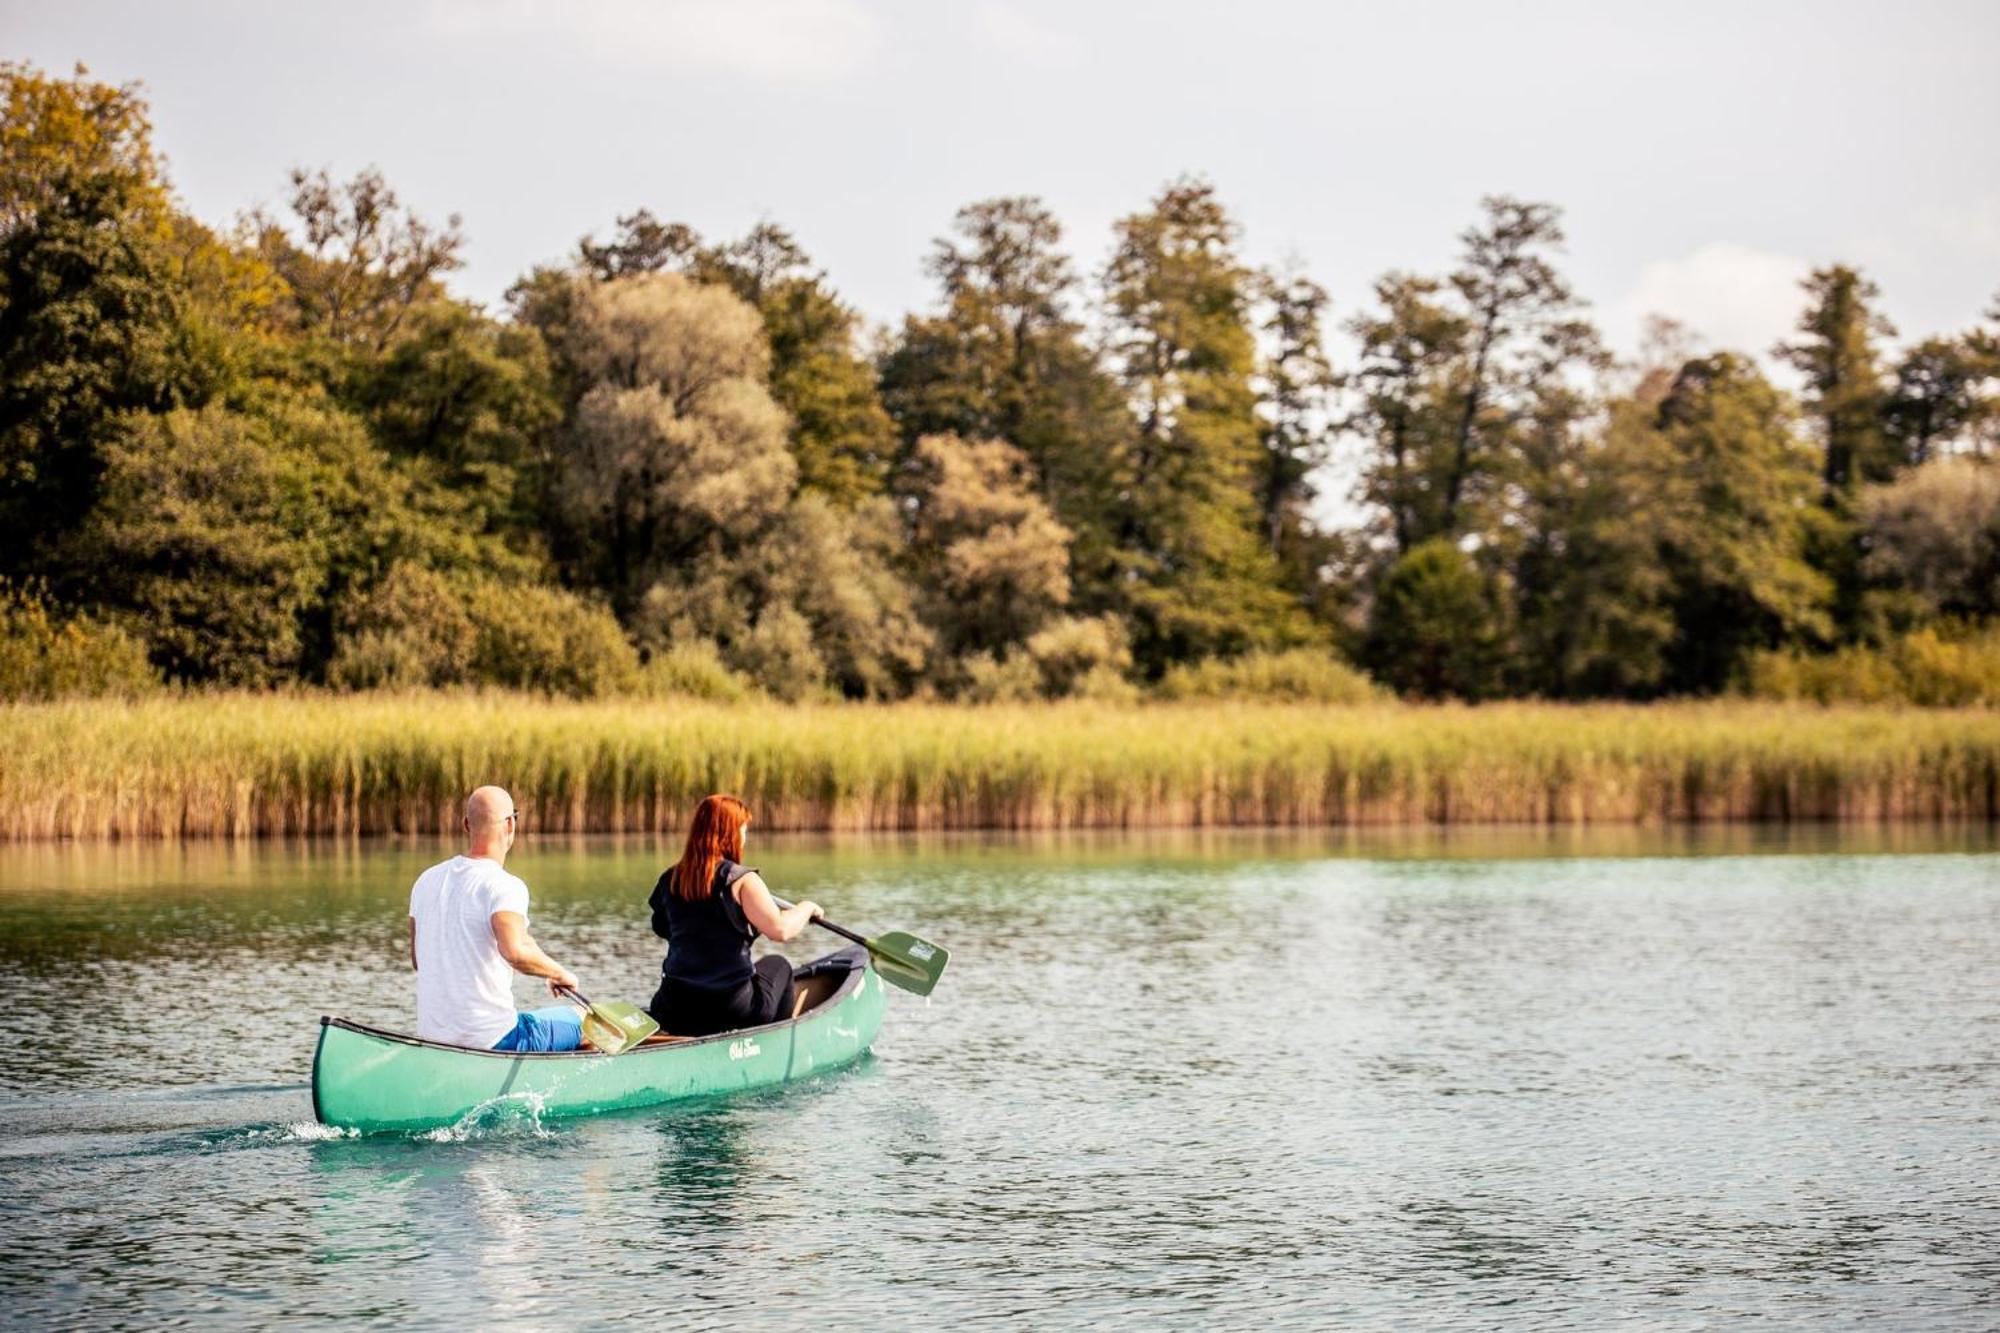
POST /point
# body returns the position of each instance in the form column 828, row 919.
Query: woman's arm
column 762, row 912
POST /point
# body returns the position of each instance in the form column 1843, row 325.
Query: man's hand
column 563, row 977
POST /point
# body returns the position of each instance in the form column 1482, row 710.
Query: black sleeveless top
column 708, row 941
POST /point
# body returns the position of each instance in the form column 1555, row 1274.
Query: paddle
column 903, row 960
column 613, row 1028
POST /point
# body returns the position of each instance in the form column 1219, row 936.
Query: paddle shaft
column 841, row 931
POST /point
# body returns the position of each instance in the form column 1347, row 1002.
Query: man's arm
column 413, row 944
column 518, row 947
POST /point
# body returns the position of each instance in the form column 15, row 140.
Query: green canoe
column 367, row 1079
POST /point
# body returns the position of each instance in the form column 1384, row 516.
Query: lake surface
column 1466, row 1081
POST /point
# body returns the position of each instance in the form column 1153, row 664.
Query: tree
column 1297, row 434
column 1199, row 580
column 814, row 605
column 675, row 446
column 1438, row 626
column 472, row 398
column 993, row 557
column 1517, row 309
column 1405, row 398
column 841, row 438
column 1934, row 532
column 1738, row 524
column 1006, row 359
column 204, row 545
column 1595, row 596
column 1836, row 354
column 354, row 261
column 1937, row 399
column 91, row 311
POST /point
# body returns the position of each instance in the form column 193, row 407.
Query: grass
column 236, row 765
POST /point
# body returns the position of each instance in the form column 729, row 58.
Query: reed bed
column 241, row 765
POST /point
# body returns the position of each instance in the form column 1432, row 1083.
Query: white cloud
column 1735, row 297
column 776, row 39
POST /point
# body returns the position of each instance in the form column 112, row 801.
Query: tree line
column 282, row 452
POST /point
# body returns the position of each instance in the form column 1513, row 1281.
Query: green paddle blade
column 907, row 962
column 615, row 1027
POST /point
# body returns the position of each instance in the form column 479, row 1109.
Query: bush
column 1077, row 651
column 530, row 637
column 1930, row 668
column 693, row 669
column 1300, row 675
column 1438, row 626
column 44, row 658
column 1935, row 532
column 1002, row 680
column 410, row 630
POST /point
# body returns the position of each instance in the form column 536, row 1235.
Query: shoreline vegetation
column 242, row 765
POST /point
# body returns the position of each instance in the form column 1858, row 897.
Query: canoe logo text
column 743, row 1050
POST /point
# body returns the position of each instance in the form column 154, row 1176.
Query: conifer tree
column 1845, row 393
column 1201, row 580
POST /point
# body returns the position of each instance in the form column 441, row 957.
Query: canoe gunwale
column 852, row 983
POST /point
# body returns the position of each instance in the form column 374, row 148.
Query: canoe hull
column 368, row 1079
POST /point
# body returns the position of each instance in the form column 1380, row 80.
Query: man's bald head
column 490, row 821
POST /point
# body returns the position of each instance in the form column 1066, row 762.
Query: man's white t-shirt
column 465, row 989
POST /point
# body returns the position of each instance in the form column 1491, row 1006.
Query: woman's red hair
column 717, row 832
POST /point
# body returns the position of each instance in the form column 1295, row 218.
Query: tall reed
column 236, row 765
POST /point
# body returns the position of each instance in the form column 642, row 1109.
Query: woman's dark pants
column 695, row 1011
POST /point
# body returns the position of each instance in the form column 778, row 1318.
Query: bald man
column 469, row 935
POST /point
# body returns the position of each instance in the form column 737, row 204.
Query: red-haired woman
column 708, row 907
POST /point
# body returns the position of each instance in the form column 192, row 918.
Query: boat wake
column 516, row 1115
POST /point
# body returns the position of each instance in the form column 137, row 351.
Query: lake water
column 1475, row 1081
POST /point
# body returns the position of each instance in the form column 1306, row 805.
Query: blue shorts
column 557, row 1028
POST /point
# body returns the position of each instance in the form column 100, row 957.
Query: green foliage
column 1200, row 580
column 472, row 397
column 1940, row 398
column 412, row 629
column 1006, row 359
column 1934, row 534
column 353, row 262
column 210, row 543
column 548, row 640
column 91, row 309
column 992, row 556
column 675, row 449
column 285, row 454
column 693, row 670
column 1845, row 394
column 1736, row 524
column 839, row 434
column 1299, row 675
column 1438, row 627
column 1296, row 430
column 43, row 656
column 1934, row 667
column 813, row 605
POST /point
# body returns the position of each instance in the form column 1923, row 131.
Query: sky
column 1706, row 155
